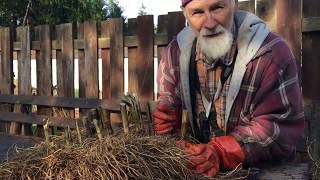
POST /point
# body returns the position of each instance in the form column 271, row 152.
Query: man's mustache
column 211, row 33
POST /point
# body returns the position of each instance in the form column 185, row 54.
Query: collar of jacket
column 252, row 31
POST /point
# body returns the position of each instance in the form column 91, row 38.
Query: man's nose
column 210, row 22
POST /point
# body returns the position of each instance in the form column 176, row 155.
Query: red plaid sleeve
column 272, row 118
column 168, row 77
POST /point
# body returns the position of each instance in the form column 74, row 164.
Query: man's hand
column 220, row 153
column 166, row 119
column 204, row 158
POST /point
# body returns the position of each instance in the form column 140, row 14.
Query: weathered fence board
column 6, row 70
column 311, row 79
column 289, row 13
column 161, row 29
column 90, row 70
column 24, row 77
column 65, row 63
column 106, row 62
column 44, row 65
column 81, row 61
column 132, row 58
column 143, row 67
column 175, row 24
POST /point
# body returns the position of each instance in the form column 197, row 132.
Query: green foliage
column 114, row 9
column 142, row 10
column 12, row 12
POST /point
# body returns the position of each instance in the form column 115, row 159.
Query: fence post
column 44, row 67
column 112, row 59
column 6, row 70
column 65, row 63
column 176, row 22
column 90, row 71
column 24, row 77
column 161, row 29
column 311, row 79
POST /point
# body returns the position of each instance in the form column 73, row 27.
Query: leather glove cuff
column 229, row 151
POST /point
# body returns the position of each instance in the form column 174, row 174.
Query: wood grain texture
column 65, row 63
column 144, row 62
column 106, row 63
column 176, row 22
column 289, row 13
column 24, row 76
column 6, row 70
column 90, row 71
column 44, row 65
column 311, row 79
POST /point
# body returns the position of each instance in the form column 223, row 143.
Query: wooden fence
column 296, row 21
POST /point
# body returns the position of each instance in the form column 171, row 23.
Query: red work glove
column 221, row 152
column 166, row 119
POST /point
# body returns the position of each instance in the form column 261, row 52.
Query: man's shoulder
column 279, row 49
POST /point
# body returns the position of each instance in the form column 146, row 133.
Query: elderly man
column 239, row 83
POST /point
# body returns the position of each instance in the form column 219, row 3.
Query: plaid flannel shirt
column 267, row 116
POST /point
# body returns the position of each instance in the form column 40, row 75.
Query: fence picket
column 65, row 63
column 145, row 58
column 311, row 79
column 6, row 70
column 90, row 71
column 24, row 77
column 44, row 65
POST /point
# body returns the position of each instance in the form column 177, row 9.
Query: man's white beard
column 215, row 47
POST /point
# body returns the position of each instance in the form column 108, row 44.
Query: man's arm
column 167, row 115
column 275, row 119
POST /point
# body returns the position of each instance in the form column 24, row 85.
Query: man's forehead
column 185, row 2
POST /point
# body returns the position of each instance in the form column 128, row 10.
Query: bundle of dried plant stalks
column 126, row 157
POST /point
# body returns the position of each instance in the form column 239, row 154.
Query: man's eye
column 197, row 12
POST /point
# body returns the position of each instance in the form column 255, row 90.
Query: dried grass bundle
column 126, row 157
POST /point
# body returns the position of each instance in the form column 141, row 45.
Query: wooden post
column 144, row 61
column 88, row 61
column 289, row 14
column 161, row 29
column 112, row 60
column 124, row 115
column 44, row 65
column 105, row 119
column 311, row 79
column 90, row 71
column 176, row 22
column 65, row 63
column 80, row 35
column 132, row 59
column 24, row 76
column 6, row 70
